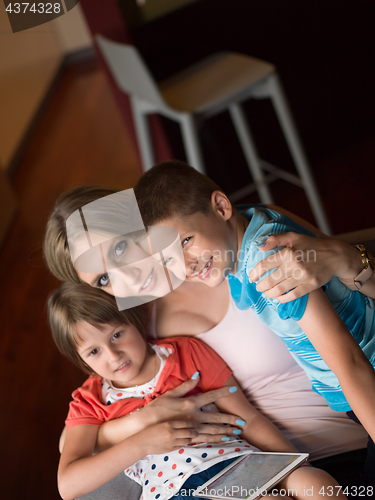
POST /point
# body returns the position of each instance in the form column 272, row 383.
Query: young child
column 330, row 333
column 127, row 373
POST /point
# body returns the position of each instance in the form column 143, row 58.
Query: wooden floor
column 82, row 139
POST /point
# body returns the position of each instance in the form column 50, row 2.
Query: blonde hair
column 56, row 250
column 74, row 303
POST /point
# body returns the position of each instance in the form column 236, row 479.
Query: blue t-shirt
column 355, row 309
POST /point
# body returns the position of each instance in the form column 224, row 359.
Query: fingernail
column 225, row 439
column 195, row 375
column 237, row 431
column 240, row 422
column 233, row 389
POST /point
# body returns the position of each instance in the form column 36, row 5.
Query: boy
column 218, row 241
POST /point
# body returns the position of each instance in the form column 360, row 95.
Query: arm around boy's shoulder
column 263, row 223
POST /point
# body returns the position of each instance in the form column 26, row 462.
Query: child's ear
column 221, row 204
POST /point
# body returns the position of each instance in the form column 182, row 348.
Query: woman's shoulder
column 181, row 323
column 195, row 311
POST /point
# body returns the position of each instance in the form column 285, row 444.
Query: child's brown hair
column 74, row 303
column 173, row 189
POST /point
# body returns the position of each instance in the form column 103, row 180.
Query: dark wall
column 323, row 49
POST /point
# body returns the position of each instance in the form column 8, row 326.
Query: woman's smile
column 150, row 282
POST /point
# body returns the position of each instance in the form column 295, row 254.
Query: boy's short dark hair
column 173, row 189
column 73, row 303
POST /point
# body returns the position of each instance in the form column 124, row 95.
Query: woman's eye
column 120, row 248
column 117, row 335
column 93, row 352
column 103, row 280
column 185, row 241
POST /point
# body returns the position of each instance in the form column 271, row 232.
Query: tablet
column 251, row 475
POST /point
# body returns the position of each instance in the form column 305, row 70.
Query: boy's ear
column 221, row 204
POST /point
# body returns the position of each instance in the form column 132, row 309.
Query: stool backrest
column 129, row 70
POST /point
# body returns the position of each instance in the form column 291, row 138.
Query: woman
column 270, row 377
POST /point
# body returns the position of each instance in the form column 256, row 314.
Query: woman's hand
column 211, row 425
column 305, row 264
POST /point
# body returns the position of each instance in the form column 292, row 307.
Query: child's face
column 209, row 244
column 117, row 353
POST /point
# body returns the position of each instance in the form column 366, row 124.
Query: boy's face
column 117, row 353
column 209, row 244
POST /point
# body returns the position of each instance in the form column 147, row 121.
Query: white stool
column 205, row 89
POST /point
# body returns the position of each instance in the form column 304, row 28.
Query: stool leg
column 191, row 143
column 290, row 132
column 250, row 152
column 143, row 135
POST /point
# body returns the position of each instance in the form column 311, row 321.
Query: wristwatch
column 358, row 281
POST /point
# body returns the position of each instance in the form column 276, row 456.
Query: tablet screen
column 251, row 476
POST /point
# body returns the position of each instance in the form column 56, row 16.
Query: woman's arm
column 172, row 406
column 307, row 263
column 81, row 472
column 258, row 430
column 342, row 354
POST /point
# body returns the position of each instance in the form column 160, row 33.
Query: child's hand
column 168, row 436
column 210, row 425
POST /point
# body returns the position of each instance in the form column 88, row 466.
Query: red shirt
column 188, row 356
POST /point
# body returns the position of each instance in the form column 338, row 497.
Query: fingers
column 289, row 289
column 218, row 429
column 213, row 438
column 279, row 281
column 296, row 293
column 280, row 240
column 182, row 424
column 183, row 388
column 211, row 396
column 218, row 419
column 272, row 262
column 183, row 432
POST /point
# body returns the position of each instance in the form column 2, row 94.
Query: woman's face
column 111, row 249
column 128, row 267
